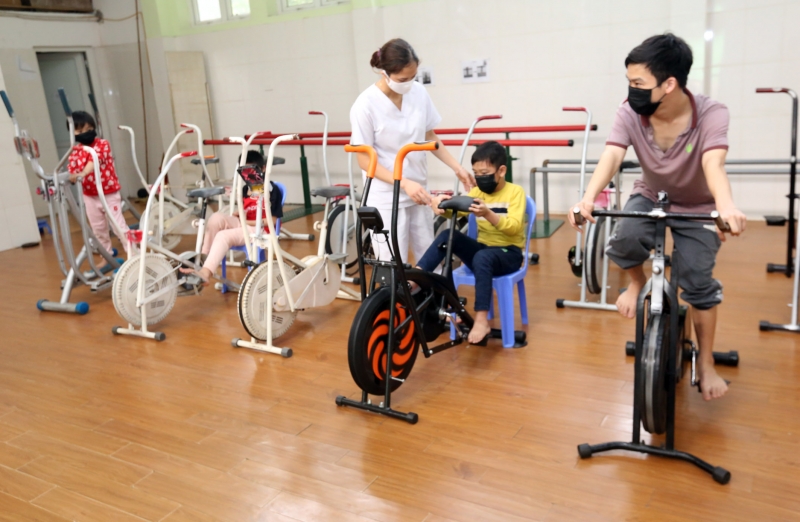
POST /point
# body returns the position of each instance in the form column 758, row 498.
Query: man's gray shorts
column 696, row 247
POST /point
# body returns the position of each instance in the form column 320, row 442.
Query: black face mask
column 639, row 100
column 86, row 138
column 487, row 183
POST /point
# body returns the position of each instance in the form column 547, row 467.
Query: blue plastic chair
column 44, row 225
column 260, row 254
column 503, row 285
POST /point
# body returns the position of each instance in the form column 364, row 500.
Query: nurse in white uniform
column 393, row 112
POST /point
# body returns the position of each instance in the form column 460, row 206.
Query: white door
column 67, row 70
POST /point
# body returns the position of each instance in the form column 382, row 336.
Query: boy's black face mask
column 487, row 184
column 86, row 138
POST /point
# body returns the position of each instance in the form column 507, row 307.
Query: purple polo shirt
column 679, row 170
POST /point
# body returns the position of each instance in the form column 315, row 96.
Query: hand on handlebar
column 735, row 219
column 74, row 178
column 586, row 209
column 436, row 201
column 479, row 208
column 415, row 191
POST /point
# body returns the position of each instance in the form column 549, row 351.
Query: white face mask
column 399, row 87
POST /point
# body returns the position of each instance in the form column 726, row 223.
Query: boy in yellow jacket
column 499, row 207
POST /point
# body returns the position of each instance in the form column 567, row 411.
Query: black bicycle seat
column 629, row 165
column 278, row 161
column 206, row 192
column 208, row 161
column 459, row 203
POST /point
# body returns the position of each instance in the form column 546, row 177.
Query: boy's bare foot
column 711, row 384
column 480, row 329
column 626, row 302
column 204, row 273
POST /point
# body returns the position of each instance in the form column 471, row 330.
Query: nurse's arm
column 445, row 157
column 381, row 172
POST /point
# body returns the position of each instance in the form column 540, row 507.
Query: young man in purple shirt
column 681, row 141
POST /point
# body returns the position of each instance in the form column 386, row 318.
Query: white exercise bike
column 270, row 297
column 147, row 285
column 173, row 218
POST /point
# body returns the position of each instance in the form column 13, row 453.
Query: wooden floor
column 98, row 427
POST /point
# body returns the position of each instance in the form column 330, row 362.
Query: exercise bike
column 268, row 301
column 393, row 323
column 62, row 203
column 173, row 218
column 148, row 283
column 663, row 343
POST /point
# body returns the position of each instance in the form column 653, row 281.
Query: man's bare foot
column 711, row 384
column 480, row 328
column 626, row 302
column 204, row 273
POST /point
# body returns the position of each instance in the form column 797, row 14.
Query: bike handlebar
column 771, row 89
column 492, row 117
column 7, row 103
column 656, row 214
column 411, row 147
column 64, row 103
column 373, row 157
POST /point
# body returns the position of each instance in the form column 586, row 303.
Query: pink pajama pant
column 96, row 215
column 222, row 232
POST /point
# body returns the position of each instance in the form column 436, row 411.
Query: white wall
column 757, row 44
column 268, row 80
column 17, row 219
column 543, row 55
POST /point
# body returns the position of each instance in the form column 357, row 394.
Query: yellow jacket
column 508, row 203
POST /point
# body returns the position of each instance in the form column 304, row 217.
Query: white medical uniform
column 376, row 121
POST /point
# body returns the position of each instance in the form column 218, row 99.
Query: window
column 209, row 11
column 296, row 5
column 240, row 8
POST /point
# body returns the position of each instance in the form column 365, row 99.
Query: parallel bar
column 457, row 130
column 505, row 143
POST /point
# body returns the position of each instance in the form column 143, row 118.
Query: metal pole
column 304, row 176
column 792, row 193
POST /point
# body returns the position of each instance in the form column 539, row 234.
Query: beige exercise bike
column 273, row 292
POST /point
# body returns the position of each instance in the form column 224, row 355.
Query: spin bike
column 663, row 343
column 393, row 324
column 62, row 203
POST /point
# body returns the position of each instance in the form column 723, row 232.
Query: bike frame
column 662, row 297
column 61, row 202
column 399, row 278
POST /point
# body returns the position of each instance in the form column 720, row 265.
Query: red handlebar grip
column 188, row 153
column 315, row 112
column 575, row 109
column 492, row 117
column 772, row 89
